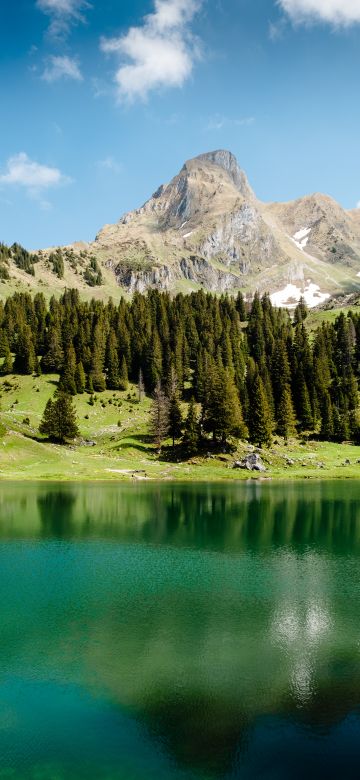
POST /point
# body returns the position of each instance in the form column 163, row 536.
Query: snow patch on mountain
column 290, row 296
column 301, row 238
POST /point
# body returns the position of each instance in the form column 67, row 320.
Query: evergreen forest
column 246, row 370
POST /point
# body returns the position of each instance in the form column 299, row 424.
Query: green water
column 152, row 632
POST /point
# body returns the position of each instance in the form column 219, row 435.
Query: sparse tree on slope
column 59, row 419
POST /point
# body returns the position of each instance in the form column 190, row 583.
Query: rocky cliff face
column 206, row 218
column 327, row 231
column 207, row 228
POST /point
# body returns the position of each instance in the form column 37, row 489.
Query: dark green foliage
column 80, row 378
column 23, row 259
column 112, row 362
column 92, row 274
column 260, row 420
column 59, row 419
column 223, row 414
column 159, row 424
column 53, row 357
column 286, row 422
column 191, row 435
column 123, row 374
column 301, row 312
column 25, row 358
column 7, row 366
column 96, row 373
column 67, row 382
column 56, row 260
column 202, row 338
column 175, row 416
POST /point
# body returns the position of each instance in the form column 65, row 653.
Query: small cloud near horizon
column 34, row 178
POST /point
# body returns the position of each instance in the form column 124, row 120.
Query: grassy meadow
column 114, row 444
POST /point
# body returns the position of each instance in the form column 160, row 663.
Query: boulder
column 251, row 462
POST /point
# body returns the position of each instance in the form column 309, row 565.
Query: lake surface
column 172, row 632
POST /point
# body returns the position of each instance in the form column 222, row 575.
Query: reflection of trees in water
column 235, row 518
column 56, row 512
column 222, row 517
column 243, row 517
column 195, row 646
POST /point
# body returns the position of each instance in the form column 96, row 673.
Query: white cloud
column 23, row 172
column 109, row 164
column 218, row 122
column 340, row 13
column 358, row 205
column 62, row 67
column 63, row 13
column 159, row 53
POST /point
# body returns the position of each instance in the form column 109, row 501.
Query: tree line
column 248, row 370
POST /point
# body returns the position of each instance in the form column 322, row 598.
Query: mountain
column 207, row 228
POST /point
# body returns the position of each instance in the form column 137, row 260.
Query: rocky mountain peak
column 228, row 162
column 206, row 227
column 205, row 184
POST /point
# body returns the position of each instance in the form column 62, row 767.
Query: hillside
column 207, row 228
column 114, row 444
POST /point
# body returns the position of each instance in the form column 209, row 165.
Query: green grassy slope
column 114, row 444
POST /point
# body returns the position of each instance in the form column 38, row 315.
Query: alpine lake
column 180, row 632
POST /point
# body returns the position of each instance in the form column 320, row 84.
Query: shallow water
column 180, row 632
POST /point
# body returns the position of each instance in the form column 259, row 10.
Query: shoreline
column 131, row 479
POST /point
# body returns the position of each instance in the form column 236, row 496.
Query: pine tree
column 191, row 435
column 240, row 305
column 89, row 384
column 280, row 371
column 341, row 425
column 67, row 383
column 141, row 388
column 25, row 359
column 7, row 366
column 223, row 413
column 304, row 411
column 154, row 363
column 301, row 311
column 327, row 418
column 4, row 343
column 80, row 378
column 123, row 374
column 52, row 360
column 175, row 416
column 159, row 422
column 286, row 422
column 112, row 363
column 96, row 373
column 59, row 419
column 260, row 420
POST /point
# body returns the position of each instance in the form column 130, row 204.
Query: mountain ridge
column 207, row 228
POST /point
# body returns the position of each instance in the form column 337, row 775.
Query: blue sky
column 103, row 100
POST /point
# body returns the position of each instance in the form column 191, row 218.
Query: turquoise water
column 180, row 632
